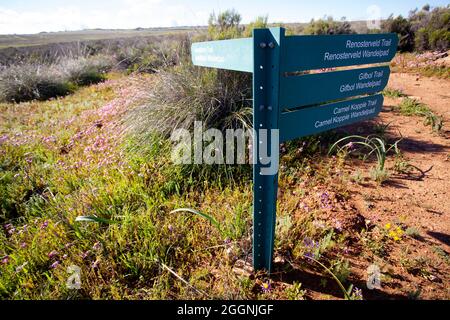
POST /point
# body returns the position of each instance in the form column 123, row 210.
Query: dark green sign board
column 328, row 116
column 299, row 104
column 302, row 91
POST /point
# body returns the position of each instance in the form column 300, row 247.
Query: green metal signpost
column 299, row 104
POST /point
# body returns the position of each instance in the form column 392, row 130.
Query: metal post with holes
column 266, row 77
column 298, row 104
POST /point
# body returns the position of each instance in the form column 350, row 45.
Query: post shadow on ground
column 419, row 146
column 313, row 281
column 441, row 237
column 406, row 143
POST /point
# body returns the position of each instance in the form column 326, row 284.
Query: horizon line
column 167, row 27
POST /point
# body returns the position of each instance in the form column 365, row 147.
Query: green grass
column 412, row 107
column 86, row 180
column 441, row 72
column 366, row 147
column 393, row 93
column 76, row 189
column 57, row 164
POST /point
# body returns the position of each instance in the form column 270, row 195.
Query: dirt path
column 416, row 200
column 431, row 91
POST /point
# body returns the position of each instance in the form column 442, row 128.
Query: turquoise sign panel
column 306, row 90
column 271, row 56
column 302, row 53
column 313, row 120
column 236, row 54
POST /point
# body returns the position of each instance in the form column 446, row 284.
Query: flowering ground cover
column 79, row 188
column 435, row 64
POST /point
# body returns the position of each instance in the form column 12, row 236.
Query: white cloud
column 32, row 21
column 130, row 14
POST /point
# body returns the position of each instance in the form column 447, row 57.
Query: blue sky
column 26, row 16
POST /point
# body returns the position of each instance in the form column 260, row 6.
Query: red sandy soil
column 417, row 265
column 418, row 200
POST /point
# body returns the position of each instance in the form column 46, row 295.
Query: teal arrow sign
column 316, row 52
column 236, row 54
column 313, row 120
column 306, row 90
column 274, row 60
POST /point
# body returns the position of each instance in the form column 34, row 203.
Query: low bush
column 85, row 71
column 32, row 81
column 36, row 81
column 152, row 57
column 183, row 94
column 186, row 94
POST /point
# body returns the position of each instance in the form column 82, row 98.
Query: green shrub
column 439, row 39
column 424, row 29
column 432, row 28
column 259, row 23
column 328, row 26
column 225, row 25
column 422, row 39
column 403, row 28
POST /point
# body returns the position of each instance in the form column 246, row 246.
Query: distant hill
column 44, row 38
